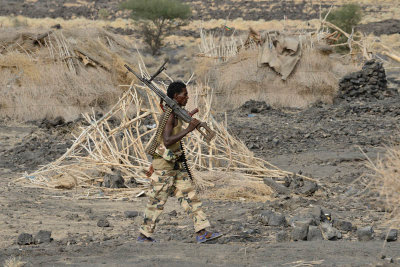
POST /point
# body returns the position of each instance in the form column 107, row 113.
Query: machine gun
column 178, row 110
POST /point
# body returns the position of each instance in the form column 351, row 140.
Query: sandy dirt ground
column 333, row 158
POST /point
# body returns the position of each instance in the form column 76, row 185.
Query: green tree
column 157, row 18
column 346, row 17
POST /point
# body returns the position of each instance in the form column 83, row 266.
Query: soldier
column 171, row 176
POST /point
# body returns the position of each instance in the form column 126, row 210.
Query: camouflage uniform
column 171, row 178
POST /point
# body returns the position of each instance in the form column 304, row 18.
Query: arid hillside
column 203, row 9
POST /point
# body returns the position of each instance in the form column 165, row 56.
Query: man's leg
column 161, row 184
column 189, row 200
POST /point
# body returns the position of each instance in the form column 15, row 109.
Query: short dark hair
column 175, row 88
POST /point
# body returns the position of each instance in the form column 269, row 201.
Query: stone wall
column 370, row 83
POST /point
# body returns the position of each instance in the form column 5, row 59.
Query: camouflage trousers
column 165, row 183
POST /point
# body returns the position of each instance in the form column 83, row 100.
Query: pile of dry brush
column 117, row 141
column 64, row 72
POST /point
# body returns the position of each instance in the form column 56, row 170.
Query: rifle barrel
column 178, row 110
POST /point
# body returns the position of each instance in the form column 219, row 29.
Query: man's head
column 178, row 92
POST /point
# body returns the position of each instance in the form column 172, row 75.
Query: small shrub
column 346, row 18
column 157, row 18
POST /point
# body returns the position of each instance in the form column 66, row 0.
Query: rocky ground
column 326, row 142
column 202, row 10
column 250, row 10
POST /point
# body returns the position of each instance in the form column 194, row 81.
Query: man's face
column 182, row 98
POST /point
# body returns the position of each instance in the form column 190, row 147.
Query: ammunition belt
column 162, row 122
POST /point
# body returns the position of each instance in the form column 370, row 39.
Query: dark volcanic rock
column 316, row 214
column 277, row 220
column 114, row 180
column 389, row 26
column 343, row 225
column 282, row 236
column 131, row 214
column 368, row 84
column 46, row 123
column 278, row 188
column 103, row 222
column 314, row 233
column 253, row 106
column 330, row 232
column 309, row 188
column 344, row 124
column 303, row 220
column 273, row 219
column 39, row 147
column 300, row 231
column 300, row 186
column 365, row 233
column 25, row 239
column 43, row 237
column 390, row 236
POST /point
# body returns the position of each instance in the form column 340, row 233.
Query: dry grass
column 239, row 79
column 65, row 74
column 389, row 11
column 34, row 91
column 386, row 182
column 240, row 24
column 44, row 23
column 234, row 186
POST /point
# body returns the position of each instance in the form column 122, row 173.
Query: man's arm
column 170, row 139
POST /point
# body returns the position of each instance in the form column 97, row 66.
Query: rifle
column 178, row 110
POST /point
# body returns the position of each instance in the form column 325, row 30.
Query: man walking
column 171, row 176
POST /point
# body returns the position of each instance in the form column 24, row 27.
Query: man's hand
column 194, row 111
column 192, row 125
column 150, row 171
